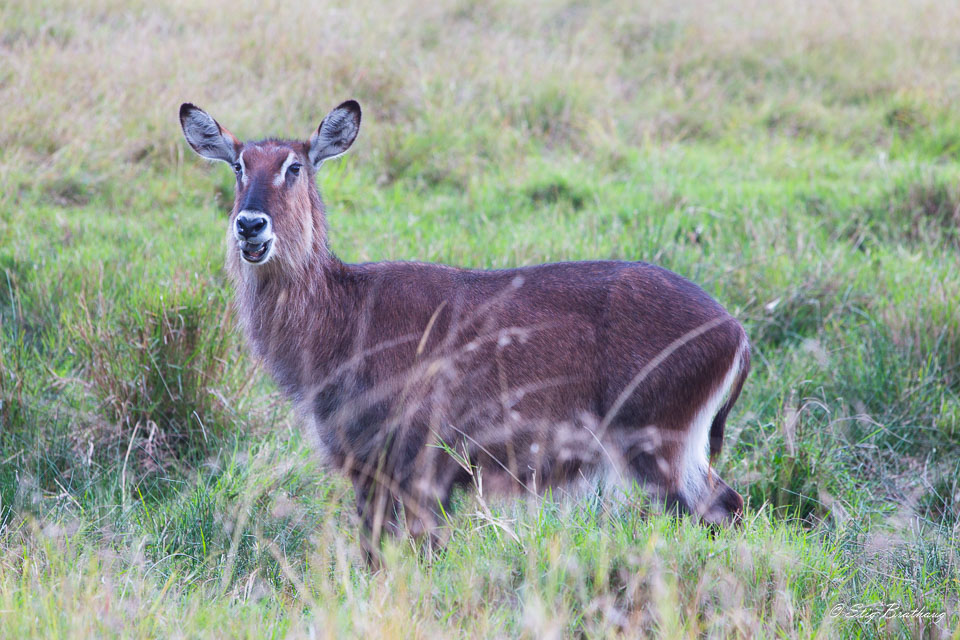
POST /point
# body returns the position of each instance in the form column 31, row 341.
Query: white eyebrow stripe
column 291, row 158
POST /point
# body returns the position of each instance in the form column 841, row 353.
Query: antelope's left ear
column 336, row 133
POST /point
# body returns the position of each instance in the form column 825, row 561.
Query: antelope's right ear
column 206, row 136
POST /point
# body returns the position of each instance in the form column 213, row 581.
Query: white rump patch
column 695, row 459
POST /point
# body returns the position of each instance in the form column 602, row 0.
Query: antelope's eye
column 237, row 168
column 294, row 168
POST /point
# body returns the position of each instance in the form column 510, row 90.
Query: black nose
column 250, row 226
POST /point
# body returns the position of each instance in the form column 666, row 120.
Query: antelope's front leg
column 425, row 503
column 377, row 508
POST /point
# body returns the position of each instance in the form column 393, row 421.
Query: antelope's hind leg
column 697, row 491
column 672, row 459
column 722, row 506
column 653, row 455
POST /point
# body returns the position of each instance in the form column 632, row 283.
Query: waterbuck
column 413, row 378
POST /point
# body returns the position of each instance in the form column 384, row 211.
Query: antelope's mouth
column 254, row 252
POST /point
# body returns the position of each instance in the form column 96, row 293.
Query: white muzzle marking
column 258, row 249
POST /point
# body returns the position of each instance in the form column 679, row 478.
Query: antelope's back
column 563, row 336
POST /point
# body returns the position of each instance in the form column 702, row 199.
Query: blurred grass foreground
column 799, row 159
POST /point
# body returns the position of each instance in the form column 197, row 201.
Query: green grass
column 801, row 164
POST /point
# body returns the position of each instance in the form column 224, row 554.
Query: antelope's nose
column 250, row 226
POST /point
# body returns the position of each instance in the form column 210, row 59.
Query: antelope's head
column 277, row 205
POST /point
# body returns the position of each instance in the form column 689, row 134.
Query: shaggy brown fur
column 537, row 376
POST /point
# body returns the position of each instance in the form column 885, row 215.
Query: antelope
column 412, row 377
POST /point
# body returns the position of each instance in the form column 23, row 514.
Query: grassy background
column 800, row 159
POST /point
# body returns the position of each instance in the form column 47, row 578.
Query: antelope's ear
column 206, row 136
column 336, row 133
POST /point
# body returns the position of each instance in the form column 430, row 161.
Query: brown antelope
column 539, row 376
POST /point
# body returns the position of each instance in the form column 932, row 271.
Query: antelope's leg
column 722, row 506
column 377, row 509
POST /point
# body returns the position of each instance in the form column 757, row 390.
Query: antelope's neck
column 288, row 321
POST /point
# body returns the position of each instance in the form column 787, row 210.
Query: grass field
column 798, row 159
